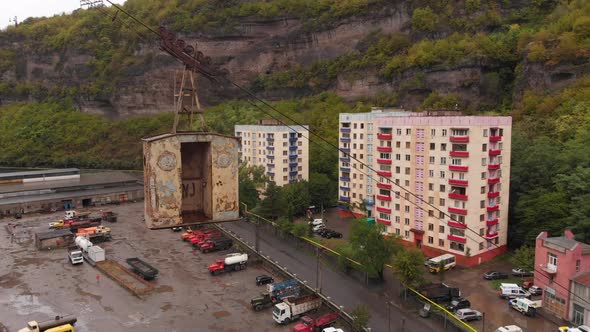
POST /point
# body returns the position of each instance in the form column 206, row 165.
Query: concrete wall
column 56, row 242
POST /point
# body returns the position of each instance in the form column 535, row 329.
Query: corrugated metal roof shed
column 53, row 234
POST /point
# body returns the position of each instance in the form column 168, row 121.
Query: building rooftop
column 567, row 243
column 85, row 180
column 51, row 172
column 53, row 233
column 582, row 278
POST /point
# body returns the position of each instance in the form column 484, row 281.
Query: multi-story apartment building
column 420, row 163
column 283, row 151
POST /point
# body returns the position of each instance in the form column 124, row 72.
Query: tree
column 295, row 198
column 251, row 179
column 407, row 265
column 321, row 189
column 273, row 203
column 360, row 317
column 424, row 19
column 524, row 258
column 371, row 248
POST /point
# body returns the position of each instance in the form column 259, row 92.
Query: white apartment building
column 458, row 164
column 282, row 151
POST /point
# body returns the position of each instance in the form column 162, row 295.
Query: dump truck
column 315, row 323
column 77, row 224
column 75, row 255
column 275, row 293
column 220, row 243
column 95, row 234
column 142, row 268
column 440, row 292
column 190, row 232
column 293, row 307
column 231, row 262
column 59, row 324
column 525, row 306
column 198, row 239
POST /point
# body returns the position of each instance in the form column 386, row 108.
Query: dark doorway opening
column 196, row 182
column 87, row 202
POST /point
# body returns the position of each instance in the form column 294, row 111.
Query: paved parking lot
column 38, row 285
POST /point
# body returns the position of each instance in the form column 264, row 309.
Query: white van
column 511, row 291
column 316, row 222
column 509, row 328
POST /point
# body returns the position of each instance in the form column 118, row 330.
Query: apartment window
column 443, row 160
column 482, row 204
column 432, row 146
column 443, row 147
column 430, row 240
column 431, row 173
column 369, row 137
column 406, row 208
column 444, row 133
column 483, row 175
column 408, row 157
column 397, row 169
column 397, row 219
column 500, row 160
column 552, row 259
column 284, row 153
column 354, row 126
column 485, row 133
column 500, row 145
column 407, row 234
column 398, row 156
column 441, row 229
column 484, row 161
column 482, row 217
column 284, row 135
column 431, row 186
column 483, row 190
column 441, row 243
column 432, row 159
column 362, row 126
column 284, row 178
column 407, row 171
column 481, row 246
column 442, row 174
column 484, row 147
column 361, row 147
column 407, row 183
column 431, row 227
column 577, row 265
column 457, row 246
column 407, row 145
column 432, row 132
column 431, row 213
column 442, row 188
column 442, row 202
column 408, row 131
column 396, row 207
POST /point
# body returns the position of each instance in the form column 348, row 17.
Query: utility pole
column 388, row 316
column 317, row 270
column 257, row 235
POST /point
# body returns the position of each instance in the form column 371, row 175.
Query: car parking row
column 320, row 229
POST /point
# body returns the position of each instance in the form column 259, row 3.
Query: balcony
column 293, row 139
column 384, row 149
column 294, row 164
column 345, row 169
column 494, row 152
column 550, row 268
column 270, row 139
column 460, row 139
column 345, row 179
column 384, row 161
column 457, row 211
column 493, row 208
column 345, row 150
column 492, row 167
column 384, row 174
column 456, row 168
column 458, row 196
column 456, row 238
column 345, row 159
column 384, row 198
column 345, row 130
column 344, row 199
column 270, row 173
column 383, row 221
column 270, row 147
column 292, row 148
column 344, row 188
column 345, row 139
column 454, row 182
column 292, row 156
column 270, row 165
column 492, row 222
column 270, row 156
column 384, row 210
column 493, row 194
column 459, row 154
column 383, row 185
column 491, row 235
column 292, row 172
column 368, row 202
column 493, row 180
column 457, row 224
column 385, row 136
column 495, row 138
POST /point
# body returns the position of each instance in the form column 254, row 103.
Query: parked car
column 535, row 290
column 318, row 228
column 316, row 222
column 522, row 273
column 264, row 279
column 322, row 232
column 527, row 284
column 581, row 328
column 467, row 315
column 459, row 303
column 493, row 275
column 334, row 234
column 176, row 229
column 509, row 328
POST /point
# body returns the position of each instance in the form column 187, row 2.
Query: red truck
column 197, row 240
column 231, row 262
column 315, row 323
column 220, row 243
column 196, row 233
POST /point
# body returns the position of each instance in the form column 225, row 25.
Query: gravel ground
column 38, row 285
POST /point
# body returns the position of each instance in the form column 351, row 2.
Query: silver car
column 468, row 314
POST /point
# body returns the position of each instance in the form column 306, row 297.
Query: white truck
column 511, row 291
column 231, row 262
column 90, row 252
column 291, row 308
column 525, row 306
column 75, row 255
column 59, row 324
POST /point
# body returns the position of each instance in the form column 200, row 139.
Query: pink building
column 558, row 262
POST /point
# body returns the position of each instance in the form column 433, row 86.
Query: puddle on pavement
column 221, row 314
column 29, row 304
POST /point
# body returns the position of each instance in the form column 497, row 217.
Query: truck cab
column 75, row 255
column 281, row 313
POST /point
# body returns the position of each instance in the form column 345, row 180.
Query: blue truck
column 275, row 293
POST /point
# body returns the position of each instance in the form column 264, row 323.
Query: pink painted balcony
column 493, row 180
column 383, row 221
column 384, row 174
column 384, row 161
column 385, row 136
column 457, row 211
column 457, row 238
column 383, row 209
column 495, row 138
column 456, row 168
column 494, row 152
column 493, row 194
column 493, row 208
column 456, row 224
column 492, row 222
column 458, row 196
column 491, row 235
column 384, row 198
column 383, row 185
column 460, row 139
column 384, row 149
column 458, row 182
column 459, row 153
column 492, row 167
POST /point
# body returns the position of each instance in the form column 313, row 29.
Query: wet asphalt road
column 341, row 288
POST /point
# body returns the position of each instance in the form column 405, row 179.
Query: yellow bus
column 445, row 262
